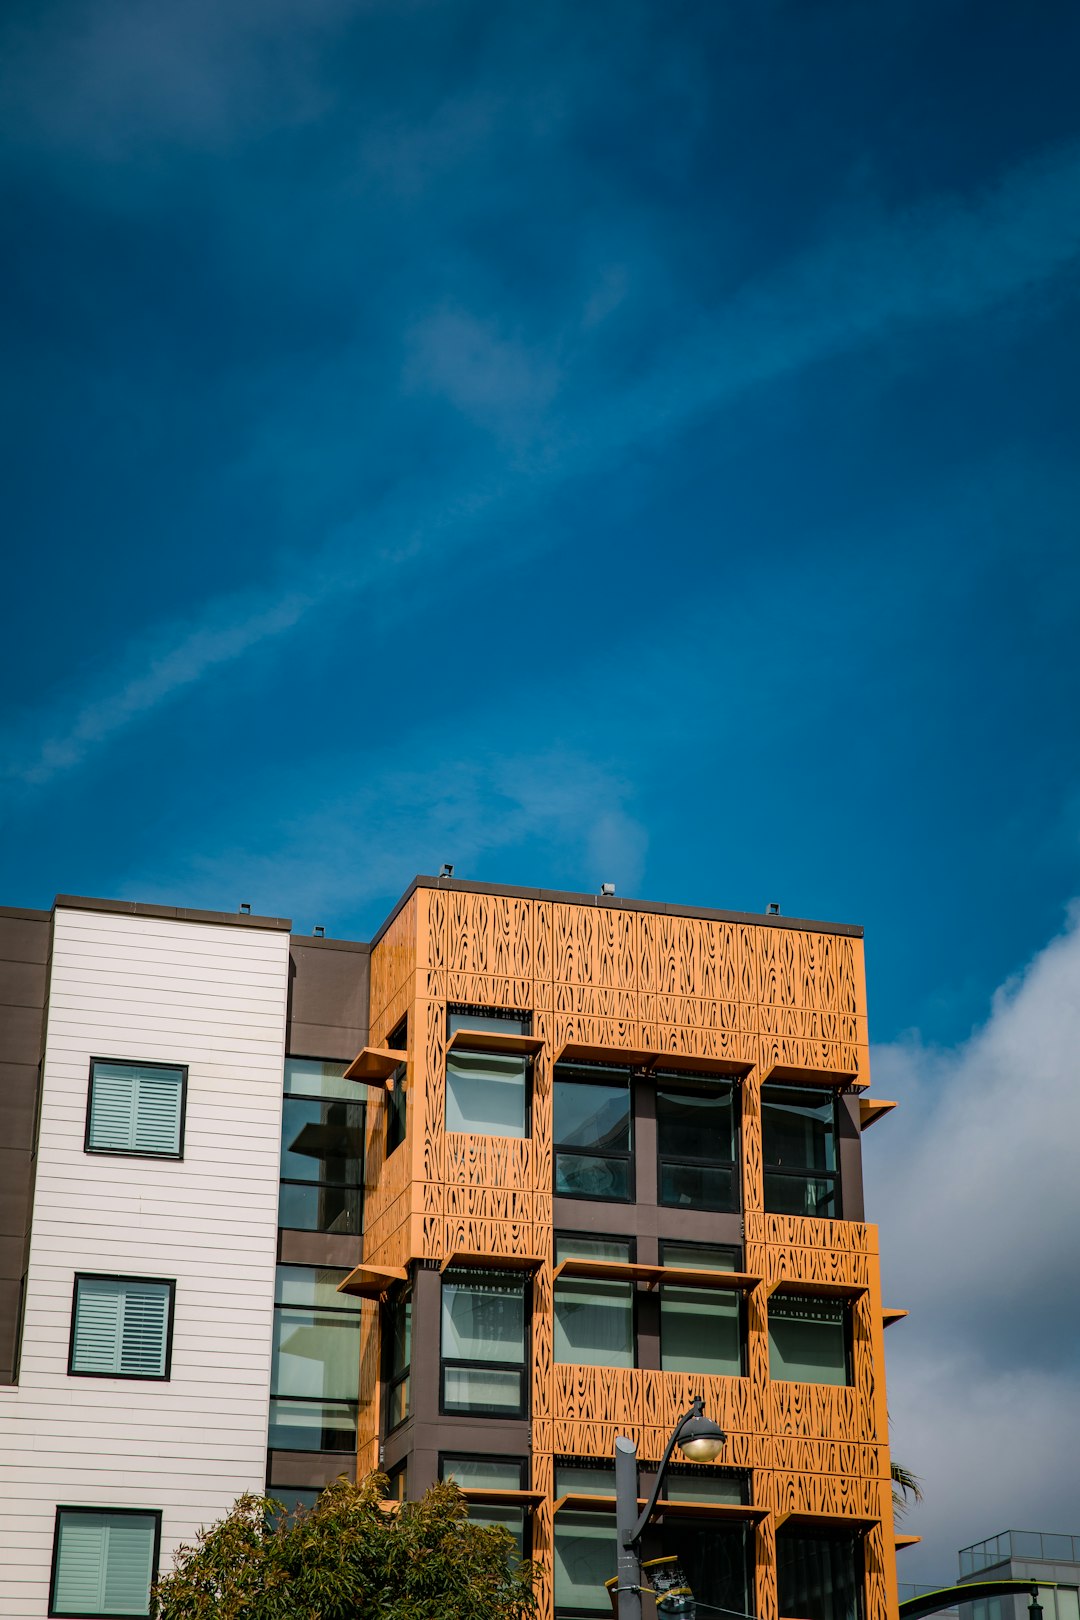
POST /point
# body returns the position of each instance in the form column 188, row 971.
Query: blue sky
column 580, row 443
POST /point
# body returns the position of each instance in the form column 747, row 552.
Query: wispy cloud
column 974, row 1183
column 953, row 258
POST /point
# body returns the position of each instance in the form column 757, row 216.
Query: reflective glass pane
column 798, row 1128
column 700, row 1256
column 594, row 1322
column 572, row 1246
column 696, row 1125
column 316, row 1353
column 399, row 1335
column 584, row 1558
column 711, row 1486
column 486, row 1093
column 807, row 1340
column 501, row 1023
column 312, row 1425
column 693, row 1186
column 293, row 1496
column 799, row 1195
column 571, row 1480
column 592, row 1116
column 313, row 1285
column 310, row 1077
column 511, row 1519
column 714, row 1561
column 397, row 1106
column 494, row 1473
column 819, row 1577
column 483, row 1318
column 579, row 1175
column 480, row 1389
column 322, row 1141
column 397, row 1404
column 310, row 1208
column 699, row 1331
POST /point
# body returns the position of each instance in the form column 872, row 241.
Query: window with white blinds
column 103, row 1562
column 120, row 1327
column 136, row 1108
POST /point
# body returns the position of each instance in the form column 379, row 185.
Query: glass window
column 486, row 1093
column 103, row 1561
column 592, row 1133
column 503, row 1023
column 293, row 1496
column 701, row 1331
column 798, row 1130
column 397, row 1347
column 121, row 1327
column 397, row 1097
column 583, row 1479
column 684, row 1484
column 695, row 1136
column 819, row 1577
column 716, row 1562
column 315, row 1373
column 809, row 1340
column 584, row 1556
column 495, row 1474
column 322, row 1150
column 483, row 1342
column 136, row 1108
column 594, row 1318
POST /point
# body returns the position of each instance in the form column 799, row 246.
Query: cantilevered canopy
column 575, row 1502
column 794, row 1074
column 495, row 1498
column 624, row 1057
column 891, row 1314
column 492, row 1040
column 810, row 1288
column 631, row 1271
column 374, row 1065
column 872, row 1109
column 372, row 1281
column 654, row 1063
column 467, row 1260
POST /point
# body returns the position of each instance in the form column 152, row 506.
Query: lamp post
column 699, row 1439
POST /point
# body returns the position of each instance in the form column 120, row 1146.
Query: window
column 322, row 1149
column 594, row 1318
column 121, row 1327
column 584, row 1550
column 487, row 1092
column 315, row 1374
column 799, row 1148
column 716, row 1561
column 809, row 1340
column 819, row 1576
column 493, row 1474
column 397, row 1097
column 104, row 1561
column 695, row 1135
column 592, row 1133
column 483, row 1342
column 685, row 1483
column 701, row 1329
column 397, row 1357
column 136, row 1108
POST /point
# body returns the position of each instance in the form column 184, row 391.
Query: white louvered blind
column 121, row 1327
column 104, row 1563
column 135, row 1108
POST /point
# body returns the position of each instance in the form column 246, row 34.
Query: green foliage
column 348, row 1558
column 905, row 1484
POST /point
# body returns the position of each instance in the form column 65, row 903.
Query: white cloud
column 975, row 1182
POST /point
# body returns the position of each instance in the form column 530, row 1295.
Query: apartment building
column 527, row 1172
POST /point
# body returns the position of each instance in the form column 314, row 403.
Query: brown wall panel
column 328, row 998
column 24, row 951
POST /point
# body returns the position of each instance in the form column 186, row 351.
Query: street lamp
column 699, row 1439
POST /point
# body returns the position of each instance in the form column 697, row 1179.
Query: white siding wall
column 212, row 997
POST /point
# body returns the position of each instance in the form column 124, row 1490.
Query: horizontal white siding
column 212, row 998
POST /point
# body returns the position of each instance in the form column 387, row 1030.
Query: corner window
column 819, row 1576
column 136, row 1108
column 397, row 1098
column 103, row 1562
column 701, row 1329
column 584, row 1549
column 592, row 1133
column 491, row 1474
column 121, row 1327
column 397, row 1358
column 809, row 1340
column 322, row 1149
column 594, row 1318
column 483, row 1343
column 798, row 1129
column 487, row 1091
column 695, row 1135
column 315, row 1373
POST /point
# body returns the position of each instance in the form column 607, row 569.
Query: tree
column 905, row 1484
column 349, row 1558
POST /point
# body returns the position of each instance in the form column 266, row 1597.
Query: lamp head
column 700, row 1439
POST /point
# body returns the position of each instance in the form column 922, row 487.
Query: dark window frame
column 509, row 1015
column 847, row 1306
column 455, row 1362
column 858, row 1541
column 390, row 1381
column 311, row 1400
column 82, row 1508
column 688, row 1083
column 137, row 1153
column 799, row 1175
column 599, row 1075
column 397, row 1097
column 337, row 1186
column 600, row 1237
column 487, row 1457
column 114, row 1276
